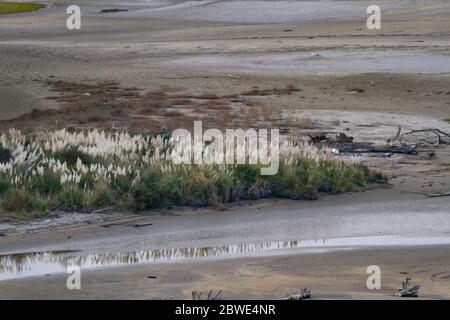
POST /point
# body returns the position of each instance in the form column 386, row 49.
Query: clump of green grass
column 195, row 186
column 18, row 7
column 5, row 185
column 71, row 199
column 79, row 171
column 308, row 179
column 147, row 194
column 375, row 177
column 100, row 197
column 47, row 185
column 20, row 200
column 207, row 186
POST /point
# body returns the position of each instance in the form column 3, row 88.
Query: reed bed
column 83, row 171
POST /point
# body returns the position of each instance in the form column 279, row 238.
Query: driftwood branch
column 403, row 150
column 433, row 195
column 304, row 293
column 211, row 295
column 102, row 210
column 436, row 131
column 345, row 144
column 439, row 133
column 233, row 77
column 407, row 289
column 397, row 135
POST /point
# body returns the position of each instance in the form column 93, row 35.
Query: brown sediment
column 106, row 104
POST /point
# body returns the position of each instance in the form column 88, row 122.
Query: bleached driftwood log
column 304, row 293
column 407, row 289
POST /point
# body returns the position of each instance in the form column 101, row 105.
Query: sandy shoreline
column 336, row 273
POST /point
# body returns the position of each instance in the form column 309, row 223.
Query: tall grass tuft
column 19, row 200
column 72, row 170
column 71, row 199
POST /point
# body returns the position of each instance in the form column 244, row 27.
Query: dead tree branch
column 433, row 195
column 211, row 295
column 403, row 150
column 439, row 133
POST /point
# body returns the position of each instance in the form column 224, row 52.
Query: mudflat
column 403, row 67
column 365, row 83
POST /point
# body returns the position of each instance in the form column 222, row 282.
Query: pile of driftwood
column 397, row 144
column 345, row 144
column 304, row 293
column 407, row 289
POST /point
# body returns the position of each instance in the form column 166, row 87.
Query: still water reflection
column 42, row 263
